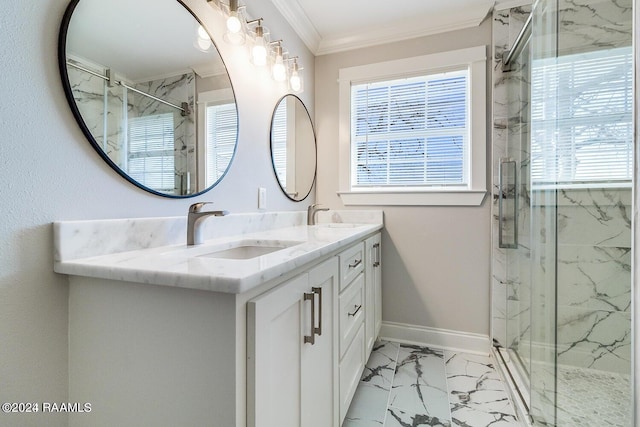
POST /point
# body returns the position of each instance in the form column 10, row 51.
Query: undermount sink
column 247, row 249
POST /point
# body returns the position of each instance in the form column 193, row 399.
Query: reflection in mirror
column 150, row 91
column 293, row 147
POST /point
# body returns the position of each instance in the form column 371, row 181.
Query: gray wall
column 436, row 259
column 50, row 172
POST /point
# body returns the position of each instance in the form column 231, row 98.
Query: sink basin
column 338, row 225
column 247, row 249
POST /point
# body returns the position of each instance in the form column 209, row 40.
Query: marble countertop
column 185, row 266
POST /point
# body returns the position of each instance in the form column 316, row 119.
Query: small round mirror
column 150, row 91
column 293, row 147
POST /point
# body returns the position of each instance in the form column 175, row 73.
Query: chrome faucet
column 194, row 218
column 311, row 213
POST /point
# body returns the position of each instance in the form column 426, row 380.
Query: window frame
column 474, row 59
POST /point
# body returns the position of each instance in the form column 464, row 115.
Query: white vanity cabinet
column 290, row 352
column 170, row 336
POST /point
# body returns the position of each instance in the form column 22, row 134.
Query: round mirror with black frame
column 293, row 147
column 150, row 91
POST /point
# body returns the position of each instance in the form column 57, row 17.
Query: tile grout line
column 446, row 380
column 386, row 411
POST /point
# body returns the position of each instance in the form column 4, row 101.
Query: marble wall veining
column 507, row 24
column 175, row 89
column 102, row 109
column 593, row 226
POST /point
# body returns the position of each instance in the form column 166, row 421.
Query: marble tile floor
column 411, row 386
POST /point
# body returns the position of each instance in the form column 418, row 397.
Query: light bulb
column 202, row 33
column 233, row 23
column 259, row 52
column 203, row 44
column 279, row 71
column 295, row 82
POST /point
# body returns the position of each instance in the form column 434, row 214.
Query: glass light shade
column 295, row 81
column 203, row 44
column 233, row 23
column 279, row 71
column 259, row 52
column 202, row 33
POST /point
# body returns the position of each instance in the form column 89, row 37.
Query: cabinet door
column 292, row 378
column 320, row 360
column 373, row 290
column 275, row 323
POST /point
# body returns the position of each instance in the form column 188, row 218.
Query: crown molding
column 397, row 33
column 300, row 22
column 303, row 26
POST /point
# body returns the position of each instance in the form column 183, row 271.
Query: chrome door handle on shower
column 507, row 205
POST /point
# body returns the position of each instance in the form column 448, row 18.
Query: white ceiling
column 141, row 40
column 329, row 26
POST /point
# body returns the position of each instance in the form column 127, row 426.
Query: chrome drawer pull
column 355, row 263
column 318, row 291
column 357, row 307
column 311, row 339
column 376, row 263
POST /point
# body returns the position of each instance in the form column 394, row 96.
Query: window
column 416, row 131
column 582, row 119
column 222, row 129
column 151, row 151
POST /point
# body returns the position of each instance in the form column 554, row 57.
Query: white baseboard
column 433, row 337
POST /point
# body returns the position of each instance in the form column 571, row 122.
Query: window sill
column 413, row 198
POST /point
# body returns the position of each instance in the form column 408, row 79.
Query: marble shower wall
column 506, row 293
column 593, row 225
column 594, row 279
column 102, row 109
column 175, row 89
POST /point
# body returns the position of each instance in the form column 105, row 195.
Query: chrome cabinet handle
column 355, row 263
column 357, row 307
column 507, row 239
column 318, row 291
column 311, row 339
column 376, row 246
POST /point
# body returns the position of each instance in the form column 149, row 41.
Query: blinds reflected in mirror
column 151, row 151
column 411, row 132
column 582, row 110
column 221, row 126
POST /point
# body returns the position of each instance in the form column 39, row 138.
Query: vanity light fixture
column 279, row 70
column 295, row 81
column 202, row 42
column 282, row 68
column 259, row 49
column 235, row 32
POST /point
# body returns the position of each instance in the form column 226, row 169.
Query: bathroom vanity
column 268, row 323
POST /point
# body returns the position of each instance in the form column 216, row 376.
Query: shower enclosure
column 563, row 167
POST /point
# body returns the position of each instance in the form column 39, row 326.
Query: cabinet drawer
column 351, row 312
column 351, row 264
column 351, row 369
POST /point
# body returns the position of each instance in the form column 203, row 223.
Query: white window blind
column 582, row 110
column 411, row 132
column 222, row 129
column 151, row 151
column 279, row 144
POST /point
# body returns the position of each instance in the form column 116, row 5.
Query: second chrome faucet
column 195, row 218
column 312, row 211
